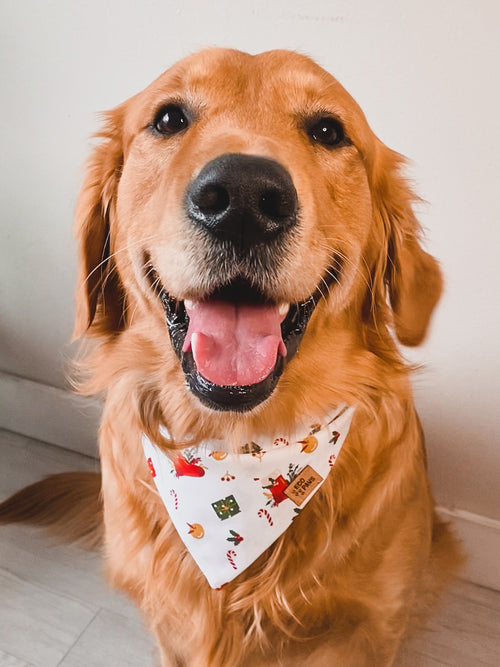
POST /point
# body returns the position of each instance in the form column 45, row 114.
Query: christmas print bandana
column 228, row 508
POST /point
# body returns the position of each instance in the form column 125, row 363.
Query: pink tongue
column 234, row 344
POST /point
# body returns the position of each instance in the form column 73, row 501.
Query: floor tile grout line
column 106, row 607
column 471, row 599
column 94, row 617
column 17, row 658
column 480, row 587
column 426, row 654
column 117, row 612
column 51, row 591
column 52, row 447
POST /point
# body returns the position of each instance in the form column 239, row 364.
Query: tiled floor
column 56, row 611
column 55, row 608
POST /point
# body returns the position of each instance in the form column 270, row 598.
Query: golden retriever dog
column 249, row 260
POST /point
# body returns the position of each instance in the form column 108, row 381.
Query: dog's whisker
column 327, row 288
column 132, row 316
column 156, row 287
column 333, row 275
column 347, row 260
column 105, row 260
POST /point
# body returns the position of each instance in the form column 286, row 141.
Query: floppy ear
column 412, row 276
column 100, row 298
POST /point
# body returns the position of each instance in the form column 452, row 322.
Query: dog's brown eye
column 327, row 131
column 170, row 120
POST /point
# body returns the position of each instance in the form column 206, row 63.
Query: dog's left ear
column 100, row 298
column 412, row 277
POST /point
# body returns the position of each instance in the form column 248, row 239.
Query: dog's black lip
column 240, row 398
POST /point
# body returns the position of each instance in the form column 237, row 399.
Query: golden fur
column 368, row 556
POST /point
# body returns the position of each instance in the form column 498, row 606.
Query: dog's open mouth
column 234, row 343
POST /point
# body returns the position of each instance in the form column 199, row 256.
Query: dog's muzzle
column 235, row 341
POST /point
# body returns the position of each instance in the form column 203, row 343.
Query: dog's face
column 244, row 200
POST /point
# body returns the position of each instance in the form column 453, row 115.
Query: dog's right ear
column 405, row 276
column 100, row 298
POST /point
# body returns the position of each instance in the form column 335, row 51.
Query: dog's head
column 244, row 201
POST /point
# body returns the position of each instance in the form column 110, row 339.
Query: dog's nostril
column 212, row 199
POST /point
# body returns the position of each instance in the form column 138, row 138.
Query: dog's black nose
column 244, row 199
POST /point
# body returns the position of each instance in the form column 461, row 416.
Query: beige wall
column 426, row 74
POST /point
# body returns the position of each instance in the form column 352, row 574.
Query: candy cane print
column 175, row 497
column 230, row 556
column 265, row 513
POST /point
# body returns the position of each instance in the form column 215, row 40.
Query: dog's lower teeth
column 188, row 303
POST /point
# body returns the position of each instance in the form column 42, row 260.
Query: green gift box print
column 226, row 507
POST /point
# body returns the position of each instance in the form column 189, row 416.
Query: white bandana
column 229, row 508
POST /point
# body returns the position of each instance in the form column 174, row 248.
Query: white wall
column 426, row 74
